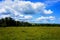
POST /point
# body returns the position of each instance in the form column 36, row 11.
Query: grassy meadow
column 30, row 33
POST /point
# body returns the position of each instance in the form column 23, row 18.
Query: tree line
column 10, row 22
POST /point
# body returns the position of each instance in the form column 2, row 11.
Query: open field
column 30, row 33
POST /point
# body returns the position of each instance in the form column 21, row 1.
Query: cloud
column 48, row 11
column 24, row 7
column 51, row 2
column 3, row 16
column 45, row 18
column 23, row 10
column 23, row 17
column 28, row 17
column 2, row 10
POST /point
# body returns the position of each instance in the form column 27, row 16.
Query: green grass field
column 30, row 33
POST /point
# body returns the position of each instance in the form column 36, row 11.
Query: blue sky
column 35, row 11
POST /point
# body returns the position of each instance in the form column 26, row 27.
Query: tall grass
column 30, row 33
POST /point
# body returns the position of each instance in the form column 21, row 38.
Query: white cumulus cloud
column 48, row 11
column 23, row 9
column 45, row 18
column 2, row 10
column 28, row 17
column 3, row 16
column 51, row 2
